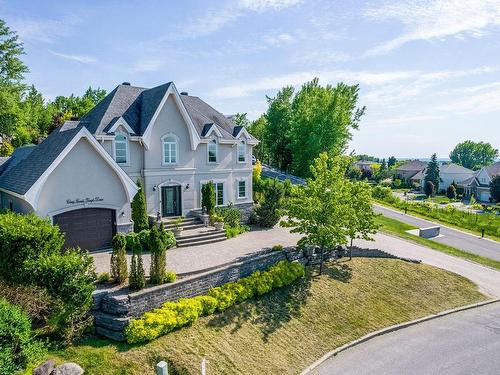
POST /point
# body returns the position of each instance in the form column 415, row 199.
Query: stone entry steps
column 194, row 232
column 187, row 223
column 194, row 238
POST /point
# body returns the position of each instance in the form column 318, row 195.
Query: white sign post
column 203, row 366
column 162, row 368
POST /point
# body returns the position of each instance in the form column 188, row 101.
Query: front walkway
column 194, row 258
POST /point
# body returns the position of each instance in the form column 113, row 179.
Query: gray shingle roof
column 493, row 169
column 33, row 164
column 454, row 168
column 17, row 156
column 412, row 165
column 138, row 105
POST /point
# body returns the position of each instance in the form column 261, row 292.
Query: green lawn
column 399, row 229
column 286, row 330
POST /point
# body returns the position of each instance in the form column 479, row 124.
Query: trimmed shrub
column 17, row 347
column 208, row 197
column 137, row 278
column 119, row 271
column 139, row 211
column 266, row 214
column 25, row 238
column 429, row 188
column 144, row 236
column 103, row 278
column 170, row 277
column 231, row 215
column 173, row 315
column 277, row 248
column 451, row 192
column 160, row 241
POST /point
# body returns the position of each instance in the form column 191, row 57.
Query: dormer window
column 242, row 152
column 212, row 151
column 170, row 149
column 121, row 149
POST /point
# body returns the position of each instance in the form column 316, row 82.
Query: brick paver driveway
column 195, row 258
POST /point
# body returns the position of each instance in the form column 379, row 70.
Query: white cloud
column 262, row 5
column 84, row 59
column 279, row 40
column 435, row 19
column 321, row 58
column 479, row 100
column 42, row 30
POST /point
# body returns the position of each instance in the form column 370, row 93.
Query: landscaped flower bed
column 178, row 314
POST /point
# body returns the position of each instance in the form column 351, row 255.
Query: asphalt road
column 461, row 240
column 467, row 342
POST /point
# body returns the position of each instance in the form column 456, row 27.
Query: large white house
column 479, row 184
column 83, row 176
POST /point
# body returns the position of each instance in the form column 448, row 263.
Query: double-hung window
column 212, row 151
column 242, row 189
column 121, row 145
column 242, row 151
column 219, row 193
column 170, row 148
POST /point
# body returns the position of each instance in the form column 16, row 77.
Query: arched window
column 170, row 149
column 242, row 152
column 212, row 151
column 121, row 149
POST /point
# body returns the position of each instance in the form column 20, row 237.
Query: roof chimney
column 126, row 83
column 184, row 93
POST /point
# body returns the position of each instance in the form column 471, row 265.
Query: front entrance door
column 171, row 201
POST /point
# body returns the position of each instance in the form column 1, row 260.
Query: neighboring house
column 83, row 175
column 479, row 184
column 365, row 165
column 409, row 169
column 448, row 173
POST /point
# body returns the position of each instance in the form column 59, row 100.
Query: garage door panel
column 87, row 228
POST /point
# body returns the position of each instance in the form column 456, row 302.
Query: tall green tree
column 241, row 119
column 391, row 162
column 12, row 68
column 139, row 210
column 322, row 121
column 279, row 126
column 432, row 172
column 325, row 210
column 473, row 155
column 258, row 129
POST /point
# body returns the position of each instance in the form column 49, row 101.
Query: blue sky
column 429, row 71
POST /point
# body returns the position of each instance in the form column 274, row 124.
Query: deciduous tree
column 473, row 155
column 495, row 188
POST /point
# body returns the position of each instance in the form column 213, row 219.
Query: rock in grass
column 45, row 368
column 68, row 368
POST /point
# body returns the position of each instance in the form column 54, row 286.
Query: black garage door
column 88, row 228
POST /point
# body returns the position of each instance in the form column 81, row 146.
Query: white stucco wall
column 83, row 174
column 18, row 205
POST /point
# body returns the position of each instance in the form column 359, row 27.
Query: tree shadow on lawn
column 271, row 311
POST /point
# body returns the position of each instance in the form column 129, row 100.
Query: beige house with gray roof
column 83, row 176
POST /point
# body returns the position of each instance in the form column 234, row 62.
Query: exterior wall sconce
column 155, row 187
column 187, row 186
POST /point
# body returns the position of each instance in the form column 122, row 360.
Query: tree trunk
column 321, row 260
column 350, row 251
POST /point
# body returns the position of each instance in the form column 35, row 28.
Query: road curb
column 393, row 328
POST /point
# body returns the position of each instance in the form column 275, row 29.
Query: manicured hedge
column 178, row 314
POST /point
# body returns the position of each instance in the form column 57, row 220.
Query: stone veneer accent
column 113, row 308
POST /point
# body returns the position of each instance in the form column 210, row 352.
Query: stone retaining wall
column 113, row 308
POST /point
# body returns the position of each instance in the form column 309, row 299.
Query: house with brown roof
column 409, row 169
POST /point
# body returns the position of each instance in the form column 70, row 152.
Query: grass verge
column 442, row 222
column 286, row 330
column 399, row 229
